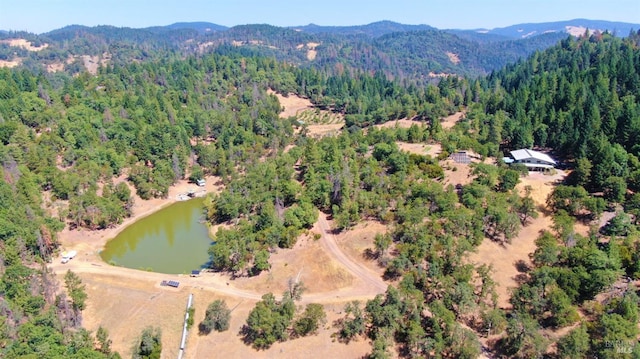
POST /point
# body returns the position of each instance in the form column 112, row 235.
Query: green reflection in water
column 172, row 240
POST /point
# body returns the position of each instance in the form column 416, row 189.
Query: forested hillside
column 66, row 139
column 579, row 99
column 399, row 51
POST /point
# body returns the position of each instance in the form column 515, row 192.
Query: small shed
column 201, row 182
column 195, row 273
column 460, row 157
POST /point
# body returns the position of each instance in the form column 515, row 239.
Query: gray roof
column 523, row 154
column 460, row 157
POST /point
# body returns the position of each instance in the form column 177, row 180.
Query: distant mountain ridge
column 374, row 29
column 380, row 28
column 202, row 27
column 412, row 52
column 573, row 27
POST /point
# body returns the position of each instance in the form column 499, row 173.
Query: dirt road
column 356, row 269
column 370, row 283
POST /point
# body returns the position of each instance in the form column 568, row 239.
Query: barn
column 534, row 160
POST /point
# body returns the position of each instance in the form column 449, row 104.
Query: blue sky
column 44, row 15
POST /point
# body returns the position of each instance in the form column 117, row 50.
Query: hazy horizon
column 41, row 16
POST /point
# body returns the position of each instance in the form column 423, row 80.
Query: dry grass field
column 503, row 258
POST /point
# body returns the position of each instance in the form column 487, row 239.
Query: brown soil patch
column 451, row 120
column 312, row 53
column 332, row 129
column 55, row 67
column 403, row 123
column 453, row 57
column 126, row 307
column 205, row 45
column 541, row 185
column 356, row 241
column 420, row 148
column 456, row 173
column 10, row 64
column 91, row 63
column 584, row 228
column 294, row 105
column 578, row 30
column 321, row 345
column 27, row 45
column 291, row 103
column 503, row 258
column 306, row 260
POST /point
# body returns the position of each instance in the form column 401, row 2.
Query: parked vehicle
column 67, row 256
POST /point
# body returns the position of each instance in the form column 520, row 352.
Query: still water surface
column 173, row 240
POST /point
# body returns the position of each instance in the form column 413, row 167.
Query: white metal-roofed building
column 533, row 159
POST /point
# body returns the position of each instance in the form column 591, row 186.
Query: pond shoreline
column 89, row 243
column 173, row 240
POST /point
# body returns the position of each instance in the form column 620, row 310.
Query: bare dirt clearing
column 453, row 57
column 459, row 174
column 451, row 120
column 324, row 130
column 25, row 44
column 229, row 343
column 55, row 67
column 319, row 123
column 10, row 64
column 403, row 123
column 91, row 63
column 503, row 258
column 125, row 307
column 312, row 52
column 420, row 148
column 308, row 261
column 356, row 241
column 291, row 104
column 578, row 31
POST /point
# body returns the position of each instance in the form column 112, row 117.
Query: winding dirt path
column 356, row 269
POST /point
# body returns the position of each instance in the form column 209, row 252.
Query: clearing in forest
column 291, row 104
column 10, row 64
column 319, row 123
column 25, row 44
column 403, row 123
column 451, row 120
column 504, row 258
column 432, row 150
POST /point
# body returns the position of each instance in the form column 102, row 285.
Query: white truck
column 66, row 256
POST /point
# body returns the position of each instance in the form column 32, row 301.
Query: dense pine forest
column 67, row 138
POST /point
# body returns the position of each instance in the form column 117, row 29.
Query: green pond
column 173, row 240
